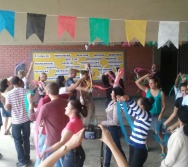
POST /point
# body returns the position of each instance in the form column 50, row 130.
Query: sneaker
column 28, row 162
column 19, row 164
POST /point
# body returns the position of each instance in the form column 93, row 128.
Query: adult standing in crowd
column 74, row 111
column 159, row 105
column 41, row 84
column 108, row 82
column 112, row 124
column 178, row 103
column 140, row 111
column 25, row 76
column 54, row 119
column 5, row 87
column 155, row 71
column 71, row 75
column 14, row 102
column 177, row 155
column 181, row 78
column 86, row 98
column 66, row 90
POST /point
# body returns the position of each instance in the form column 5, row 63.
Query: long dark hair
column 183, row 116
column 80, row 109
column 3, row 85
column 60, row 80
column 118, row 91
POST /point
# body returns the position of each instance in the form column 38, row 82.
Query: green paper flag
column 150, row 43
column 99, row 28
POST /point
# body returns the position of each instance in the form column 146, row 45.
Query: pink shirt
column 74, row 125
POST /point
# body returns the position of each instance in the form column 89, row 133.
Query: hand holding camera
column 92, row 132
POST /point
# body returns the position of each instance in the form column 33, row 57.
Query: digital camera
column 92, row 132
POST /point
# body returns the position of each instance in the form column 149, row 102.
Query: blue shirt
column 70, row 81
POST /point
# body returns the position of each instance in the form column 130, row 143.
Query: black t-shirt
column 178, row 102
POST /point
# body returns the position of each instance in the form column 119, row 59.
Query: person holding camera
column 137, row 143
column 76, row 140
column 112, row 124
column 74, row 110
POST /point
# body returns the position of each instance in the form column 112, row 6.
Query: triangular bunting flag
column 168, row 30
column 99, row 28
column 36, row 24
column 136, row 29
column 66, row 23
column 7, row 19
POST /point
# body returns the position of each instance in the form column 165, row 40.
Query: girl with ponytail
column 142, row 121
column 177, row 155
column 74, row 110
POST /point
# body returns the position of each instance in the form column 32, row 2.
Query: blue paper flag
column 7, row 21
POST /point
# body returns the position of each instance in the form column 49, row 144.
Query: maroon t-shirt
column 41, row 102
column 54, row 118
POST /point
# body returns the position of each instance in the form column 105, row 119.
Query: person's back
column 20, row 121
column 54, row 119
column 180, row 140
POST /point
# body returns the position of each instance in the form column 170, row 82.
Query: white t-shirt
column 62, row 90
column 185, row 100
column 25, row 82
column 177, row 92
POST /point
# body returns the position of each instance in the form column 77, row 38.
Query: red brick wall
column 134, row 57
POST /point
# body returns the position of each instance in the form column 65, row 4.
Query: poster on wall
column 56, row 63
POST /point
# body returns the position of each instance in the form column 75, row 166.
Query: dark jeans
column 116, row 133
column 21, row 135
column 137, row 156
column 74, row 158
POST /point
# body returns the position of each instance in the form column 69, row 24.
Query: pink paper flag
column 66, row 23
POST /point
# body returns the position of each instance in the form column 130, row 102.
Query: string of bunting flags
column 98, row 27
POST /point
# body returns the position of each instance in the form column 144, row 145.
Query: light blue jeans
column 43, row 147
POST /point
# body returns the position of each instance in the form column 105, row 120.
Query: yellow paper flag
column 136, row 29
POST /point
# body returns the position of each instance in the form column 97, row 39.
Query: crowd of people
column 63, row 116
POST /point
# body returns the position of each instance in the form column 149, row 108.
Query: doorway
column 169, row 56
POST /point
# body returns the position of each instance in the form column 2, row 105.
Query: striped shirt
column 142, row 124
column 15, row 98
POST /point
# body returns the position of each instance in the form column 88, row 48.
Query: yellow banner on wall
column 58, row 63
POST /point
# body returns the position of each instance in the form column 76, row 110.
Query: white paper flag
column 168, row 30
